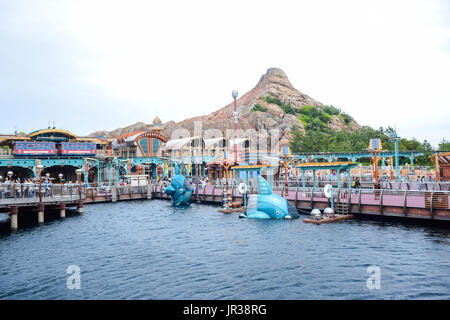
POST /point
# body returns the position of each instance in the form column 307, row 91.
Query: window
column 144, row 145
column 156, row 143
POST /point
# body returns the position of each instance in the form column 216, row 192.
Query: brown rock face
column 273, row 83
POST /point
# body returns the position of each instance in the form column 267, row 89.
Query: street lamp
column 13, row 188
column 80, row 202
column 40, row 167
column 79, row 172
column 234, row 93
column 286, row 163
column 226, row 165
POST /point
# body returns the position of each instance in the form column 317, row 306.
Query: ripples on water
column 151, row 250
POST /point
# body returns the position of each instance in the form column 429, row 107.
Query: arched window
column 156, row 143
column 144, row 145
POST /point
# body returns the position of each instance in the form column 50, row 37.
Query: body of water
column 151, row 250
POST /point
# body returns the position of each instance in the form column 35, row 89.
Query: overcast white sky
column 92, row 65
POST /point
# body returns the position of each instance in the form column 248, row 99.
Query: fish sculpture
column 267, row 205
column 179, row 189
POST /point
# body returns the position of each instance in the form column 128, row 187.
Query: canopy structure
column 338, row 166
column 442, row 165
column 220, row 160
column 178, row 143
column 253, row 168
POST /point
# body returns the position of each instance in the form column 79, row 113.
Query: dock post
column 62, row 210
column 80, row 206
column 13, row 216
column 40, row 209
column 113, row 194
column 149, row 192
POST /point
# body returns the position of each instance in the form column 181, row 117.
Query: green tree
column 444, row 145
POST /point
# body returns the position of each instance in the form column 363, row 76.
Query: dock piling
column 113, row 194
column 13, row 216
column 62, row 210
column 80, row 206
column 40, row 209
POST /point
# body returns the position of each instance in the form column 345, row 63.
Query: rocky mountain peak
column 273, row 103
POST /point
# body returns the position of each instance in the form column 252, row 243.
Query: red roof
column 126, row 135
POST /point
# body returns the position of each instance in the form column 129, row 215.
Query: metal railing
column 31, row 191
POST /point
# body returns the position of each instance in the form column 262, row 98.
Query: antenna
column 54, row 124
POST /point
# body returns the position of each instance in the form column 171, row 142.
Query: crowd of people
column 28, row 188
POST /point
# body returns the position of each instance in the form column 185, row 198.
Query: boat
column 333, row 218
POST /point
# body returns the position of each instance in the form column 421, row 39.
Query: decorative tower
column 157, row 125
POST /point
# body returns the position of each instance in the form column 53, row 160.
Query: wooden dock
column 425, row 205
column 59, row 197
column 431, row 205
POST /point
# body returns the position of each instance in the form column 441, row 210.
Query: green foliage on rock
column 332, row 110
column 287, row 108
column 258, row 107
column 346, row 117
column 313, row 118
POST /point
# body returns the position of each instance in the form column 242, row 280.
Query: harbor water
column 151, row 250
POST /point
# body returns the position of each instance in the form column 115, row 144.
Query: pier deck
column 426, row 205
column 396, row 203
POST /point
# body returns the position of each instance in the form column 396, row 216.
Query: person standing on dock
column 357, row 185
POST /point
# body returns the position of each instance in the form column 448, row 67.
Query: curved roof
column 178, row 143
column 44, row 131
column 238, row 141
column 211, row 142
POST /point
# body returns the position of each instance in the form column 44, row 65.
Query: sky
column 99, row 65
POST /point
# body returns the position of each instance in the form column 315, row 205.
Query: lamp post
column 226, row 165
column 234, row 93
column 13, row 188
column 396, row 138
column 286, row 163
column 79, row 172
column 40, row 167
column 80, row 201
column 391, row 167
column 40, row 207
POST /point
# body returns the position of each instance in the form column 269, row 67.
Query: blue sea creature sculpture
column 179, row 189
column 267, row 205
